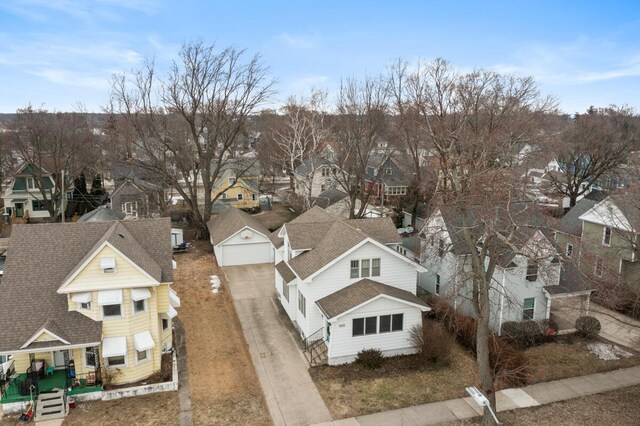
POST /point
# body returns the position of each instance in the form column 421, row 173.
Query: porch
column 17, row 389
column 565, row 310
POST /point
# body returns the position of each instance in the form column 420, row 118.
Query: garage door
column 246, row 254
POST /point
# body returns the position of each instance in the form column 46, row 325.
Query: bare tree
column 58, row 143
column 186, row 125
column 594, row 145
column 470, row 119
column 361, row 123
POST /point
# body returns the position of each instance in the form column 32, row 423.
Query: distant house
column 23, row 196
column 138, row 192
column 422, row 215
column 101, row 214
column 522, row 289
column 238, row 183
column 345, row 287
column 385, row 178
column 314, row 176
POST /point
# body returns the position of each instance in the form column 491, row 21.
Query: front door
column 58, row 359
column 19, row 209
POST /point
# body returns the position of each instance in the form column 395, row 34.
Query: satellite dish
column 246, row 234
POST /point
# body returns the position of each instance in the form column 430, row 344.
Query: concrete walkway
column 616, row 327
column 508, row 399
column 291, row 395
column 184, row 392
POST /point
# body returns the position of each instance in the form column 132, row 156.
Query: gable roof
column 285, row 272
column 29, row 289
column 361, row 292
column 101, row 214
column 329, row 197
column 327, row 237
column 231, row 221
column 310, row 165
column 571, row 223
column 621, row 211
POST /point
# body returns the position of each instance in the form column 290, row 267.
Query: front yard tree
column 186, row 125
column 469, row 120
column 595, row 144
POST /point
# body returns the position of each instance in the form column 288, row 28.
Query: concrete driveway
column 291, row 395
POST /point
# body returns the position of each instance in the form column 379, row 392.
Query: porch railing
column 312, row 338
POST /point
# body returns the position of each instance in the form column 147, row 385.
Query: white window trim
column 85, row 352
column 110, row 317
column 133, row 307
column 604, row 236
column 114, row 367
column 569, row 253
column 88, row 308
column 239, row 197
column 534, row 308
column 144, row 361
column 162, row 320
column 370, row 268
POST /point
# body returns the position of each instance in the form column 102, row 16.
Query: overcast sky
column 56, row 53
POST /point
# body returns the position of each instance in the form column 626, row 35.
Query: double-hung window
column 90, row 358
column 302, row 304
column 364, row 268
column 528, row 308
column 355, row 269
column 606, row 236
column 532, row 271
column 375, row 267
column 389, row 323
column 364, row 326
column 142, row 355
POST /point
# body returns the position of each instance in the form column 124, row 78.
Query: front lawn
column 568, row 356
column 352, row 390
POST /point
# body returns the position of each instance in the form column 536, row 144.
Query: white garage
column 239, row 239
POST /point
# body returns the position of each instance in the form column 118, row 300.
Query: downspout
column 501, row 303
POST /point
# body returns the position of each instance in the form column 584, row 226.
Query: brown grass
column 569, row 357
column 351, row 390
column 618, row 408
column 275, row 218
column 224, row 384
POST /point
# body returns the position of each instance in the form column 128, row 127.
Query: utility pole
column 63, row 195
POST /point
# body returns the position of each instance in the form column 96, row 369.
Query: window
column 396, row 322
column 528, row 308
column 355, row 267
column 363, row 326
column 224, row 195
column 302, row 304
column 569, row 250
column 606, row 236
column 232, row 181
column 31, row 183
column 364, row 268
column 598, row 268
column 38, row 205
column 139, row 306
column 141, row 355
column 438, row 284
column 240, row 197
column 165, row 323
column 385, row 323
column 441, row 247
column 254, row 197
column 322, row 188
column 130, row 208
column 86, row 305
column 326, row 171
column 89, row 358
column 375, row 267
column 116, row 361
column 388, row 171
column 108, row 265
column 112, row 310
column 285, row 290
column 532, row 271
column 358, row 327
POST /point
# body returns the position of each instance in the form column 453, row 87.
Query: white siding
column 244, row 251
column 394, row 271
column 344, row 347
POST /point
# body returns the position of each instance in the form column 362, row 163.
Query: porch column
column 548, row 316
column 584, row 305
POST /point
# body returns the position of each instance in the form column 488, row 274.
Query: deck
column 13, row 392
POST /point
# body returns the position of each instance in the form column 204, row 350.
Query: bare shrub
column 370, row 358
column 588, row 326
column 432, row 341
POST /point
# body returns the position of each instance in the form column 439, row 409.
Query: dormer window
column 108, row 265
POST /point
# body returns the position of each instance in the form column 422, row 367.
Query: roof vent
column 120, row 234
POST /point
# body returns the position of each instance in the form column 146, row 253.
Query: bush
column 509, row 364
column 370, row 358
column 587, row 326
column 523, row 333
column 432, row 342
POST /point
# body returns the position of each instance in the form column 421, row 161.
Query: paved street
column 291, row 395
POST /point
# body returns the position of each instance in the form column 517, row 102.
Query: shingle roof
column 571, row 281
column 231, row 221
column 285, row 272
column 101, row 214
column 360, row 292
column 329, row 197
column 412, row 243
column 329, row 237
column 310, row 165
column 570, row 222
column 29, row 289
column 275, row 239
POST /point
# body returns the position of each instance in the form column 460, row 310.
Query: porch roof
column 285, row 272
column 361, row 292
column 572, row 281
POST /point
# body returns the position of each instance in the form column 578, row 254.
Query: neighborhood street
column 291, row 395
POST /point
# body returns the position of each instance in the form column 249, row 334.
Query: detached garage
column 239, row 239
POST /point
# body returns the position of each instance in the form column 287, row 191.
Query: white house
column 345, row 287
column 314, row 176
column 239, row 239
column 23, row 195
column 523, row 287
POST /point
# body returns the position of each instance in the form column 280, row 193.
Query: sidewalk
column 507, row 399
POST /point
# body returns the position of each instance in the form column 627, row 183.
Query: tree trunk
column 483, row 335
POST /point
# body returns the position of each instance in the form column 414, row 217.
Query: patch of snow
column 607, row 352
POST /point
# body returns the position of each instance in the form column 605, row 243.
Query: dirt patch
column 224, row 385
column 569, row 356
column 618, row 408
column 352, row 390
column 277, row 216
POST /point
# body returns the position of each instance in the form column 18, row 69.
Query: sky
column 61, row 54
